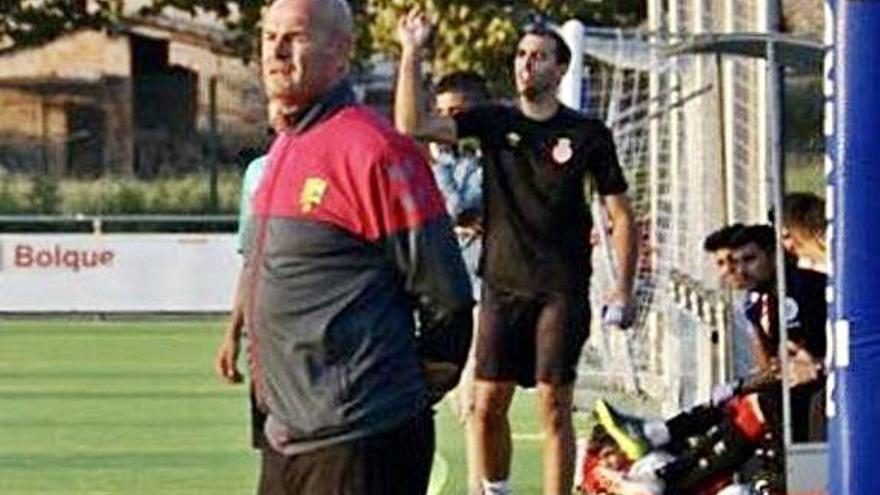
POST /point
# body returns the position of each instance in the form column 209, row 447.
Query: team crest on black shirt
column 562, row 151
column 513, row 139
column 792, row 311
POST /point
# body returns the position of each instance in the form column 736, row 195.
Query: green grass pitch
column 113, row 408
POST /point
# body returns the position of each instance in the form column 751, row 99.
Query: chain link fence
column 692, row 137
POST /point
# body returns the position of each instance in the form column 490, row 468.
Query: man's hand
column 414, row 30
column 619, row 310
column 226, row 360
column 441, row 377
column 411, row 116
column 723, row 392
column 803, row 367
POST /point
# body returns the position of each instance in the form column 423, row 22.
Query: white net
column 690, row 135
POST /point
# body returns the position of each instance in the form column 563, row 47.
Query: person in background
column 805, row 319
column 747, row 421
column 718, row 246
column 459, row 176
column 804, row 224
column 226, row 357
column 538, row 157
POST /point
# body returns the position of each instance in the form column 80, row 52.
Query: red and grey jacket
column 351, row 239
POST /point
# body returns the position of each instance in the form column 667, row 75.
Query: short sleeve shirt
column 805, row 311
column 252, row 176
column 535, row 220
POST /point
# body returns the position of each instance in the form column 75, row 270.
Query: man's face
column 450, row 103
column 536, row 70
column 726, row 264
column 787, row 241
column 754, row 267
column 300, row 58
column 805, row 244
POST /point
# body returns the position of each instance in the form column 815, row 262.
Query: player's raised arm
column 411, row 115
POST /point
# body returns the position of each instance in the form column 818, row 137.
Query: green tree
column 242, row 19
column 25, row 23
column 471, row 34
column 479, row 35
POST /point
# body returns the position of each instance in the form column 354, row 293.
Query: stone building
column 146, row 99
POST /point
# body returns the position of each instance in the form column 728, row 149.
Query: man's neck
column 765, row 286
column 335, row 97
column 290, row 106
column 541, row 108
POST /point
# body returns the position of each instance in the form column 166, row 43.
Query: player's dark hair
column 720, row 239
column 764, row 236
column 541, row 27
column 467, row 82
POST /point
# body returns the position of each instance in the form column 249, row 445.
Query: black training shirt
column 805, row 307
column 536, row 220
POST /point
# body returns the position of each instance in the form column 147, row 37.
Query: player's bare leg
column 473, row 464
column 492, row 401
column 464, row 409
column 559, row 443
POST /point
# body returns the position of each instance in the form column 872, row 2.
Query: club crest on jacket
column 312, row 193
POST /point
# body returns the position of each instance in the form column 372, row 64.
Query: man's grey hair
column 340, row 17
column 334, row 14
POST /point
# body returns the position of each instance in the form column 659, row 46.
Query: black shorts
column 531, row 338
column 397, row 462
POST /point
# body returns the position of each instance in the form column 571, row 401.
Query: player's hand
column 463, row 397
column 774, row 368
column 619, row 310
column 226, row 360
column 723, row 392
column 414, row 30
column 441, row 377
column 803, row 367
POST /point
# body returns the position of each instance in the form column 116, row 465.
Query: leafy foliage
column 44, row 196
column 25, row 23
column 471, row 34
column 479, row 35
column 179, row 194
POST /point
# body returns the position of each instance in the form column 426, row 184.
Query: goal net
column 690, row 135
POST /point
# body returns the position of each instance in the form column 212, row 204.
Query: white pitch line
column 528, row 437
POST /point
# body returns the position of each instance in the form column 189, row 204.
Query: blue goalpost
column 852, row 79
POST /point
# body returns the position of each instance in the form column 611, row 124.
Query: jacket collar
column 337, row 98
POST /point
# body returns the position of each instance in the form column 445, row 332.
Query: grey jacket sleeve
column 422, row 247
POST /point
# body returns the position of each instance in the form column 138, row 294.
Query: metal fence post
column 213, row 147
